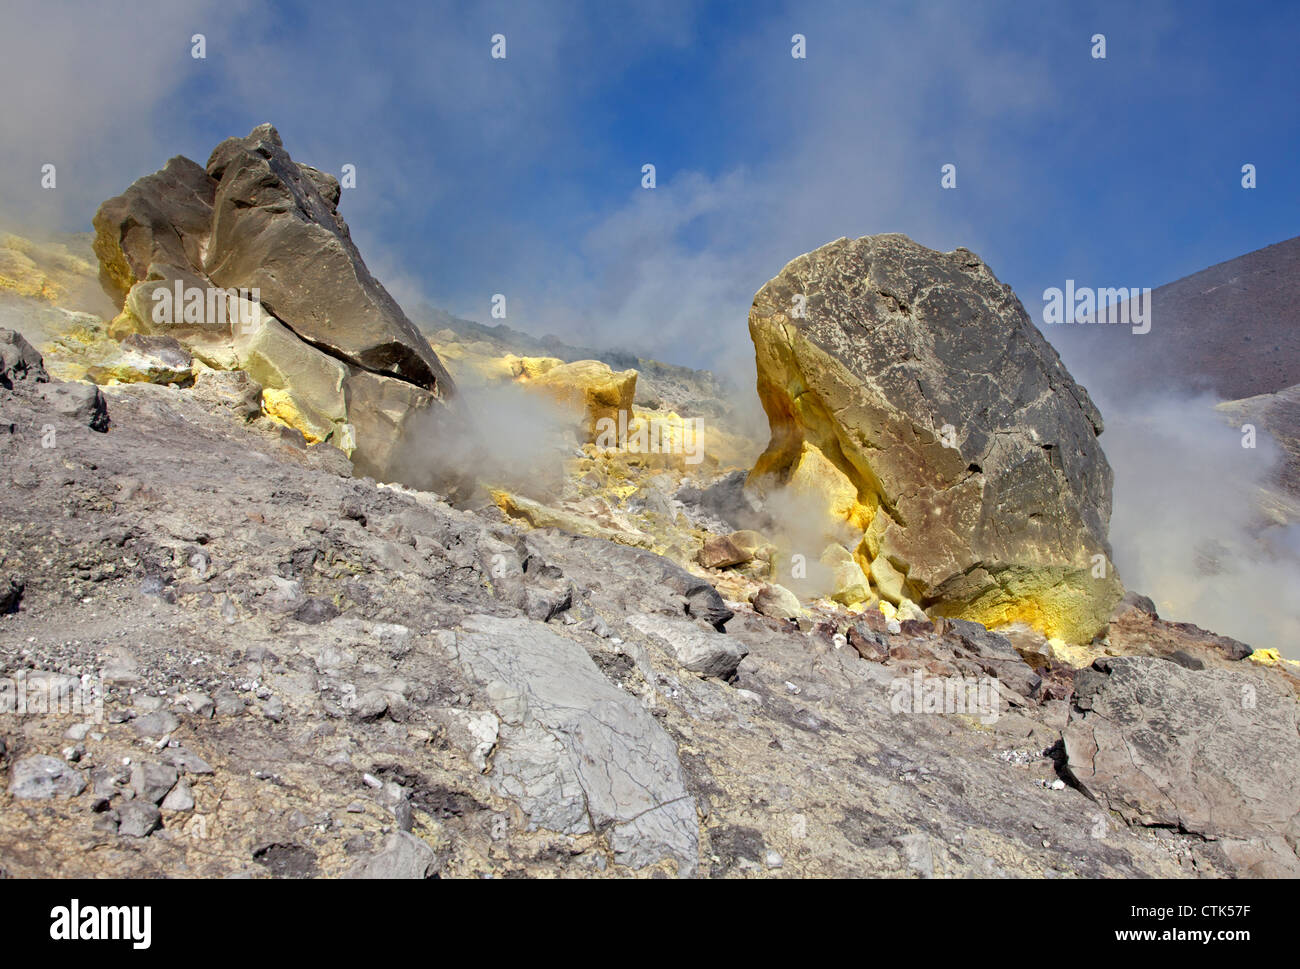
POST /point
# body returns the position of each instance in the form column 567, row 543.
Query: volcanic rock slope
column 310, row 674
column 1230, row 329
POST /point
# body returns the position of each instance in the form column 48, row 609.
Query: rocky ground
column 310, row 674
column 530, row 646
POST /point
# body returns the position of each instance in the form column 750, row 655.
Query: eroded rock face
column 163, row 219
column 276, row 227
column 576, row 751
column 336, row 357
column 1211, row 751
column 909, row 394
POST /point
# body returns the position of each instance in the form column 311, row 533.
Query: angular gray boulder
column 698, row 650
column 575, row 752
column 911, row 399
column 19, row 360
column 276, row 227
column 286, row 297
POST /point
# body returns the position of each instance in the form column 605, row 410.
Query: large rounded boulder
column 909, row 393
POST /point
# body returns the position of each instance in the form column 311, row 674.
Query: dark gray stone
column 138, row 819
column 11, row 593
column 274, row 230
column 19, row 360
column 702, row 651
column 156, row 724
column 153, row 782
column 162, row 219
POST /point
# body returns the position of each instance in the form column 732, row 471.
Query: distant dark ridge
column 1232, row 329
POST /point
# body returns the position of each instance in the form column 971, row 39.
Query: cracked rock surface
column 1209, row 751
column 600, row 757
column 307, row 674
column 974, row 455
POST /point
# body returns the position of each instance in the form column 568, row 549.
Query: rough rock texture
column 404, row 856
column 777, row 601
column 1212, row 751
column 276, row 227
column 917, row 400
column 22, row 372
column 163, row 219
column 39, row 778
column 150, row 359
column 336, row 357
column 19, row 360
column 361, row 679
column 703, row 651
column 588, row 756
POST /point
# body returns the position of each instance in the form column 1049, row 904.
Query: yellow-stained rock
column 754, row 543
column 816, row 477
column 850, row 584
column 590, row 390
column 282, row 407
column 1271, row 657
column 1058, row 601
column 301, row 386
column 141, row 359
column 18, row 274
column 889, row 582
column 777, row 602
column 530, row 368
column 963, row 430
column 539, row 515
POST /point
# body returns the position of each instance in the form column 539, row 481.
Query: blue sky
column 522, row 176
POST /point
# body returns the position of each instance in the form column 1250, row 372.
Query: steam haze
column 522, row 177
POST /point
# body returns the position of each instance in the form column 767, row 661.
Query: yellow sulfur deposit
column 529, row 368
column 1271, row 657
column 281, row 407
column 44, row 271
column 1060, row 603
column 591, row 390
